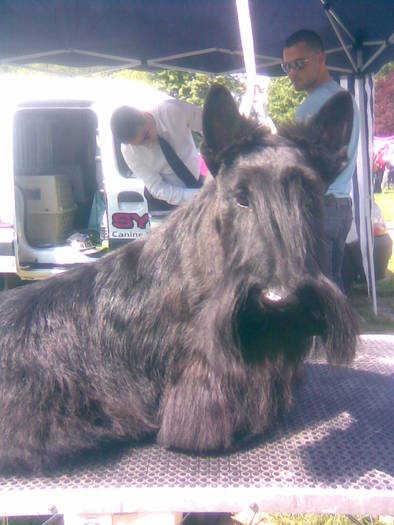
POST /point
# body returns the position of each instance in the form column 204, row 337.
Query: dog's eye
column 242, row 199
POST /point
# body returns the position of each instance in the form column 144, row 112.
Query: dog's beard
column 316, row 308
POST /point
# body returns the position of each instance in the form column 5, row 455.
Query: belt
column 336, row 202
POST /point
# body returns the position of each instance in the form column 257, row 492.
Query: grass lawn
column 384, row 322
column 385, row 201
column 307, row 519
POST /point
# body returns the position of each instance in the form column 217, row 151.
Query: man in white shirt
column 139, row 133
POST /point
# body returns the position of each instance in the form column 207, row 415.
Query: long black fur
column 195, row 333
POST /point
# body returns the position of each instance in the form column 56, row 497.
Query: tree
column 384, row 104
column 283, row 100
column 191, row 87
column 385, row 70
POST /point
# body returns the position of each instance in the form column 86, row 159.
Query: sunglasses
column 297, row 65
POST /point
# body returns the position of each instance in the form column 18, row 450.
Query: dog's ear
column 331, row 129
column 334, row 122
column 220, row 118
column 221, row 122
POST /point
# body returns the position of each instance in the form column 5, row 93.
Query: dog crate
column 49, row 207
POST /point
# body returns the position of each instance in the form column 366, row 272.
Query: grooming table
column 333, row 452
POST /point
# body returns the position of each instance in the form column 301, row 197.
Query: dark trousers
column 337, row 222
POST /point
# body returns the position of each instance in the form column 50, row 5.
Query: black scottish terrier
column 195, row 333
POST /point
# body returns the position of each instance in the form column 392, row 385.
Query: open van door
column 8, row 259
column 8, row 264
column 54, row 179
column 67, row 196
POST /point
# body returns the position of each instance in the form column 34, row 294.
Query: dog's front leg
column 196, row 412
column 210, row 400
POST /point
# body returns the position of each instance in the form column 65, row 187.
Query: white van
column 66, row 193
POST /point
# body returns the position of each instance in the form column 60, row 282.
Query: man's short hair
column 311, row 39
column 126, row 122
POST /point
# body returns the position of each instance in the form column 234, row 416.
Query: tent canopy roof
column 199, row 35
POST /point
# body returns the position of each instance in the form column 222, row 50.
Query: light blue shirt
column 342, row 185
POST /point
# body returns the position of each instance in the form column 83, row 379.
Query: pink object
column 203, row 167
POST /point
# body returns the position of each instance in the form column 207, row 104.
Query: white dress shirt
column 175, row 120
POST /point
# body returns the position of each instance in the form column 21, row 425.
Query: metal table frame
column 333, row 452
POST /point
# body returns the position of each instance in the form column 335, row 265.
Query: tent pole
column 341, row 41
column 245, row 29
column 363, row 166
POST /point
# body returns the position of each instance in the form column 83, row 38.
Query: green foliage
column 38, row 70
column 283, row 100
column 385, row 70
column 385, row 201
column 316, row 519
column 384, row 104
column 247, row 518
column 191, row 87
column 362, row 304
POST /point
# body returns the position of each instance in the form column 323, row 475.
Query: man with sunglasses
column 159, row 148
column 304, row 61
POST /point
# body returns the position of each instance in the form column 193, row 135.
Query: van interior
column 58, row 185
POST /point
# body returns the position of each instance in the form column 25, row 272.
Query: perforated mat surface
column 332, row 452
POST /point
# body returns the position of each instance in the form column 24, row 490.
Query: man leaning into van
column 159, row 148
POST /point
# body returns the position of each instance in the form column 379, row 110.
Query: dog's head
column 324, row 138
column 269, row 205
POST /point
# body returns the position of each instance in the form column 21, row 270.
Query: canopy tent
column 203, row 35
column 199, row 35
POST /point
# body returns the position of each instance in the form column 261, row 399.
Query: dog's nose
column 274, row 294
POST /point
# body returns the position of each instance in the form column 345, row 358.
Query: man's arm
column 154, row 181
column 168, row 192
column 177, row 111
